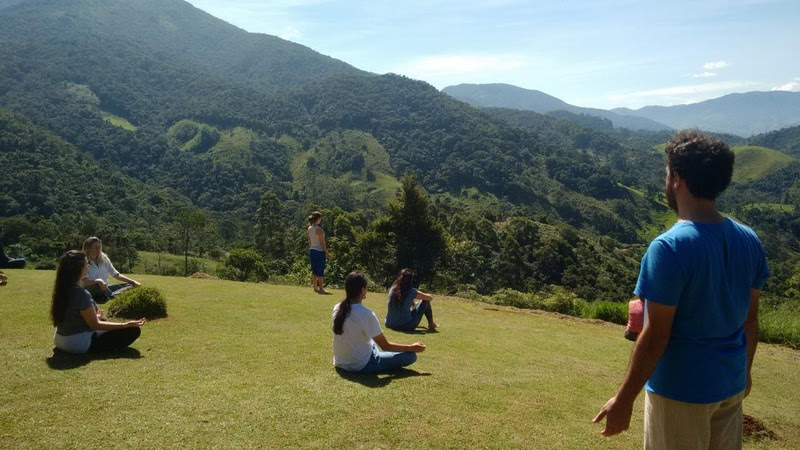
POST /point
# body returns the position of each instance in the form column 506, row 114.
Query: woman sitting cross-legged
column 100, row 267
column 79, row 328
column 402, row 313
column 356, row 331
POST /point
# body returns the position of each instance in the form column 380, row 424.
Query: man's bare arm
column 647, row 352
column 751, row 332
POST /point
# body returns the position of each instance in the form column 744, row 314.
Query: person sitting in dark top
column 10, row 263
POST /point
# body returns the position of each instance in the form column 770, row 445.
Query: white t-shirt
column 102, row 270
column 352, row 348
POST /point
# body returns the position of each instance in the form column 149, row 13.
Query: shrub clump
column 243, row 265
column 139, row 302
column 779, row 326
column 613, row 312
column 511, row 297
column 559, row 300
column 45, row 265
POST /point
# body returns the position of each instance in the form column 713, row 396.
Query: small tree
column 419, row 237
column 190, row 222
column 270, row 229
column 243, row 265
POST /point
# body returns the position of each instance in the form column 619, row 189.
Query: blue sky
column 590, row 53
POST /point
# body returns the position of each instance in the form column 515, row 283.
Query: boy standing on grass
column 701, row 282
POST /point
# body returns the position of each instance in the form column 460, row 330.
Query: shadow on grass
column 66, row 361
column 418, row 331
column 376, row 380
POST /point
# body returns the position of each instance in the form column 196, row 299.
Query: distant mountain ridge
column 499, row 95
column 742, row 114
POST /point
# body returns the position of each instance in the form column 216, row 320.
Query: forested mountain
column 507, row 96
column 189, row 113
column 173, row 31
column 742, row 114
column 764, row 192
column 786, row 140
column 52, row 195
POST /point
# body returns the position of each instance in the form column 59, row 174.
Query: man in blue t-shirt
column 701, row 282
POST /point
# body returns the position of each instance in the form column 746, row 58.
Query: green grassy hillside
column 249, row 365
column 753, row 163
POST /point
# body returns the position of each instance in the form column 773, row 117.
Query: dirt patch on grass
column 203, row 275
column 755, row 429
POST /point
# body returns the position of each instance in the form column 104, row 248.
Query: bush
column 195, row 265
column 559, row 300
column 510, row 297
column 469, row 292
column 613, row 312
column 45, row 265
column 243, row 265
column 780, row 326
column 139, row 302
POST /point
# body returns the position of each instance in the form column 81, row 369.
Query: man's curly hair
column 705, row 162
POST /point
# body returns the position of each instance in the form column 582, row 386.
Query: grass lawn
column 249, row 365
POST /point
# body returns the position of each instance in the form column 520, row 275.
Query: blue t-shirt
column 706, row 271
column 399, row 315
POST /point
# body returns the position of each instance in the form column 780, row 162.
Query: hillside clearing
column 753, row 163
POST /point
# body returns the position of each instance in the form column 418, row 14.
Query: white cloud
column 793, row 85
column 290, row 34
column 704, row 75
column 715, row 65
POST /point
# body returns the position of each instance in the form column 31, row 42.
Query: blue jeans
column 423, row 308
column 100, row 296
column 381, row 362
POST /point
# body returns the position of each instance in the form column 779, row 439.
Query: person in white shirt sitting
column 100, row 267
column 356, row 331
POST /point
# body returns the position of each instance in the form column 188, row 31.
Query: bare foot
column 433, row 326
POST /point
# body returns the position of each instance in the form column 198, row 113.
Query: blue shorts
column 318, row 262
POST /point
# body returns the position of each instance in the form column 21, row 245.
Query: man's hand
column 618, row 416
column 749, row 386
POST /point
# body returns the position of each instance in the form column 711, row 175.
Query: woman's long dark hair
column 70, row 268
column 402, row 284
column 355, row 281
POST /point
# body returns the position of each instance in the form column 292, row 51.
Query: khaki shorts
column 670, row 424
